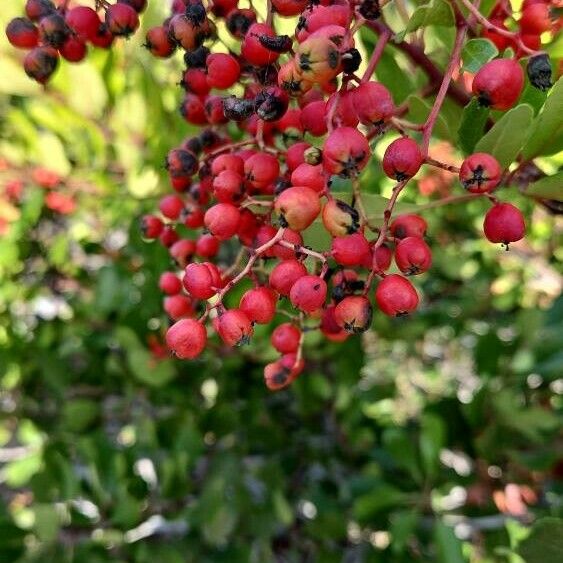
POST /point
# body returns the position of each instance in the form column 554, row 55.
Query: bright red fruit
column 186, row 339
column 396, row 296
column 504, row 223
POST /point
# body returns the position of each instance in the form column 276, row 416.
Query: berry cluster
column 50, row 31
column 264, row 192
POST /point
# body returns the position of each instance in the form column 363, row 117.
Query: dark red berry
column 234, row 328
column 285, row 338
column 408, row 225
column 169, row 283
column 285, row 274
column 259, row 304
column 350, row 250
column 158, row 42
column 413, row 256
column 121, row 19
column 41, row 63
column 480, row 173
column 222, row 220
column 345, row 152
column 201, row 280
column 298, row 207
column 402, row 159
column 499, row 83
column 186, row 339
column 354, row 314
column 84, row 21
column 22, row 33
column 504, row 223
column 396, row 296
column 308, row 293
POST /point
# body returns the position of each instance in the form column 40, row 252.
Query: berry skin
column 289, row 8
column 201, row 280
column 122, row 20
column 271, row 104
column 178, row 307
column 192, row 215
column 171, row 206
column 285, row 275
column 535, row 19
column 227, row 161
column 222, row 70
column 354, row 314
column 339, row 218
column 151, row 226
column 413, row 256
column 104, row 38
column 228, row 187
column 313, row 118
column 499, row 83
column 158, row 42
column 182, row 251
column 383, row 257
column 259, row 305
column 84, row 21
column 402, row 159
column 186, row 339
column 295, row 155
column 73, row 50
column 341, row 106
column 285, row 338
column 373, row 103
column 169, row 283
column 138, row 5
column 283, row 372
column 222, row 220
column 298, row 207
column 53, row 30
column 309, row 176
column 308, row 293
column 408, row 225
column 350, row 250
column 37, row 9
column 22, row 33
column 330, row 328
column 396, row 296
column 261, row 169
column 181, row 163
column 41, row 63
column 207, row 246
column 168, row 236
column 345, row 152
column 253, row 51
column 193, row 110
column 318, row 59
column 284, row 253
column 234, row 328
column 480, row 173
column 504, row 223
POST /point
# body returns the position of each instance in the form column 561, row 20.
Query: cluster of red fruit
column 264, row 191
column 50, row 30
column 536, row 17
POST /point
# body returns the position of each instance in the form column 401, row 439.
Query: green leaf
column 476, row 53
column 419, row 110
column 550, row 187
column 506, row 138
column 447, row 545
column 472, row 125
column 403, row 524
column 378, row 499
column 545, row 542
column 546, row 135
column 78, row 414
column 432, row 438
column 436, row 12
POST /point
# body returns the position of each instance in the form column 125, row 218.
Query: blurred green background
column 431, row 438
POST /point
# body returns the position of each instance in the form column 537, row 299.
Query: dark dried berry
column 539, row 71
column 280, row 185
column 370, row 10
column 236, row 109
column 266, row 75
column 277, row 44
column 351, row 60
column 197, row 57
column 196, row 14
column 271, row 104
column 208, row 138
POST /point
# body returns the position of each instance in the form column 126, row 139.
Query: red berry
column 295, row 155
column 289, row 8
column 151, row 226
column 171, row 206
column 181, row 163
column 285, row 275
column 298, row 207
column 402, row 159
column 182, row 251
column 373, row 103
column 234, row 328
column 413, row 256
column 158, row 42
column 345, row 152
column 350, row 250
column 283, row 372
column 104, row 38
column 207, row 246
column 313, row 118
column 37, row 9
column 138, row 5
column 84, row 21
column 341, row 106
column 339, row 218
column 222, row 70
column 330, row 328
column 53, row 30
column 285, row 338
column 499, row 83
column 221, row 8
column 480, row 173
column 228, row 187
column 251, row 48
column 222, row 220
column 168, row 236
column 284, row 253
column 73, row 50
column 178, row 307
column 121, row 19
column 41, row 63
column 310, row 176
column 354, row 314
column 201, row 280
column 383, row 257
column 396, row 296
column 227, row 161
column 504, row 223
column 193, row 110
column 535, row 19
column 408, row 225
column 308, row 293
column 22, row 33
column 259, row 305
column 192, row 215
column 261, row 169
column 169, row 283
column 186, row 339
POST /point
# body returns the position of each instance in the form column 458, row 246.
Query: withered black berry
column 539, row 71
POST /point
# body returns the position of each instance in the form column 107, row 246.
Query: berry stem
column 303, row 250
column 442, row 92
column 376, row 54
column 450, row 168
